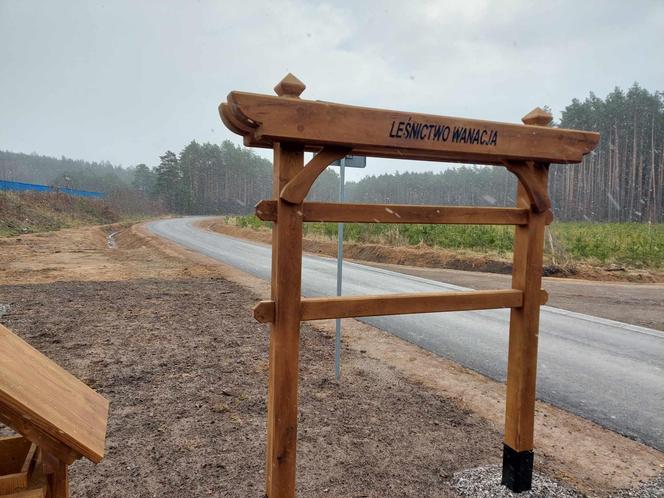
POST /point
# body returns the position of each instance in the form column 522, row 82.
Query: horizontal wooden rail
column 400, row 213
column 320, row 308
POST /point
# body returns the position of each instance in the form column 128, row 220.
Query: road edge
column 570, row 448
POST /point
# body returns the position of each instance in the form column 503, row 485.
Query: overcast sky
column 126, row 80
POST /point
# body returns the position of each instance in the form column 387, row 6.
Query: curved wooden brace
column 297, row 189
column 534, row 177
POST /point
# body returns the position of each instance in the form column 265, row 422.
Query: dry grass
column 30, row 212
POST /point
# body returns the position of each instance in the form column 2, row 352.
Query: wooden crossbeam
column 398, row 213
column 321, row 308
column 264, row 120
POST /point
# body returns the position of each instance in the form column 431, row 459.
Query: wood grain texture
column 264, row 120
column 534, row 179
column 399, row 213
column 37, row 487
column 49, row 398
column 285, row 331
column 264, row 311
column 319, row 308
column 16, row 458
column 297, row 189
column 57, row 476
column 524, row 330
column 24, row 426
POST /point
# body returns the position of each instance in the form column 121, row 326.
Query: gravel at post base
column 484, row 482
column 184, row 366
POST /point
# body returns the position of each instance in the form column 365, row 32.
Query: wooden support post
column 285, row 331
column 522, row 356
column 57, row 476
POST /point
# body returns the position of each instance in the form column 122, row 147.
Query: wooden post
column 282, row 407
column 57, row 476
column 284, row 332
column 522, row 356
column 524, row 320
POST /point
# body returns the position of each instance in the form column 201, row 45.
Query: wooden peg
column 289, row 86
column 264, row 312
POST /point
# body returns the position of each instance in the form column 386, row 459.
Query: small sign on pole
column 346, row 162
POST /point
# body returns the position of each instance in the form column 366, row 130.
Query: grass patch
column 632, row 244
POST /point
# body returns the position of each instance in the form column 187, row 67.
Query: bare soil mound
column 31, row 212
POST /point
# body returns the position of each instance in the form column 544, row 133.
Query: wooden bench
column 59, row 418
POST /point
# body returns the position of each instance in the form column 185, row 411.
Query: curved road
column 606, row 371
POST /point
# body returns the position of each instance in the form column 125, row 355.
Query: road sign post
column 350, row 162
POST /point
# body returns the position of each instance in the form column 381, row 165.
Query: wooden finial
column 290, row 86
column 537, row 117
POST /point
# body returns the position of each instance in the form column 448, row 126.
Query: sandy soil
column 169, row 339
column 83, row 254
column 635, row 303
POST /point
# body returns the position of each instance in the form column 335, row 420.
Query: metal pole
column 340, row 264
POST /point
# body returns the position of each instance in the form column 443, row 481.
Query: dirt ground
column 184, row 366
column 83, row 254
column 168, row 337
column 635, row 303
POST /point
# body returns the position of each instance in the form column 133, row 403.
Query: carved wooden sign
column 265, row 119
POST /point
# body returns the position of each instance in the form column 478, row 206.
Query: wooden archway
column 290, row 126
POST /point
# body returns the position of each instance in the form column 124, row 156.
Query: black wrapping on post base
column 517, row 469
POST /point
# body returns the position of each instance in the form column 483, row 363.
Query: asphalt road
column 609, row 372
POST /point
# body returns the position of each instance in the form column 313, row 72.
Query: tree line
column 114, row 181
column 622, row 180
column 216, row 179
